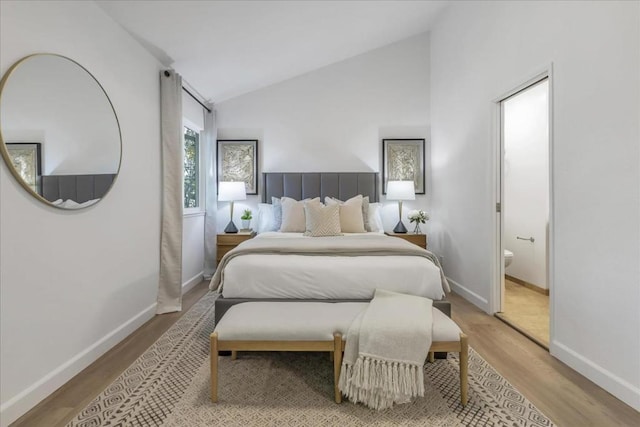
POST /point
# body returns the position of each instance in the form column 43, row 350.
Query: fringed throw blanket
column 385, row 352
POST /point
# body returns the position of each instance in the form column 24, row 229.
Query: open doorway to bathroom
column 524, row 210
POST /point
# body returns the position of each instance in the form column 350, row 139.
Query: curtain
column 170, row 283
column 211, row 200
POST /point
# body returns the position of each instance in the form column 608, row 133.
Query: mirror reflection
column 59, row 132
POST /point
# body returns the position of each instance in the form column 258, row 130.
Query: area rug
column 168, row 386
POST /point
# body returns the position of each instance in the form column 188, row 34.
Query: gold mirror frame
column 3, row 145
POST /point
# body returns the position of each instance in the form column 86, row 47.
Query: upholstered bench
column 313, row 326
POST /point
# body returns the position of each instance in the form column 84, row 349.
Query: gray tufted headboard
column 79, row 188
column 302, row 185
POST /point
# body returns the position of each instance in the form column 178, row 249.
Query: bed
column 262, row 274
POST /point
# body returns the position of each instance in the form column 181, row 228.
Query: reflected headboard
column 79, row 188
column 303, row 185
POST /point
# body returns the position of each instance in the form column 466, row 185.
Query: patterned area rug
column 169, row 386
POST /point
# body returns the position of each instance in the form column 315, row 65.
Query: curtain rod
column 197, row 100
column 167, row 73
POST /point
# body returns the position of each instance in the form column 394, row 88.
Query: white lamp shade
column 400, row 190
column 231, row 191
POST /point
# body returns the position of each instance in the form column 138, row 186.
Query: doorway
column 524, row 210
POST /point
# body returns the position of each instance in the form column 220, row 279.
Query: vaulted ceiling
column 227, row 48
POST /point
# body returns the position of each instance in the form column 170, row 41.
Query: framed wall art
column 27, row 162
column 403, row 160
column 237, row 160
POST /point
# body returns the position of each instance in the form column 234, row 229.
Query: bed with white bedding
column 301, row 276
column 284, row 266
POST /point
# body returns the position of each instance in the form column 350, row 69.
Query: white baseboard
column 615, row 385
column 189, row 284
column 18, row 405
column 469, row 295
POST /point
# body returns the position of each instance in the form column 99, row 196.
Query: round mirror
column 59, row 133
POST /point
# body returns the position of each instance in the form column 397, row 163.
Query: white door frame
column 496, row 296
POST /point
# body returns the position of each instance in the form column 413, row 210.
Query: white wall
column 480, row 50
column 334, row 119
column 526, row 183
column 75, row 283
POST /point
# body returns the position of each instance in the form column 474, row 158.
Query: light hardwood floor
column 61, row 406
column 562, row 394
column 527, row 311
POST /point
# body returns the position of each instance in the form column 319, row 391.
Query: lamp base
column 231, row 228
column 400, row 228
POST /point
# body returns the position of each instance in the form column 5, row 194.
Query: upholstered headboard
column 302, row 185
column 79, row 188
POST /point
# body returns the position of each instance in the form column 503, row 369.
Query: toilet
column 508, row 257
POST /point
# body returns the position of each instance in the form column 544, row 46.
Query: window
column 191, row 169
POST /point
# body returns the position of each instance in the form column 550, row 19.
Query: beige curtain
column 211, row 203
column 170, row 283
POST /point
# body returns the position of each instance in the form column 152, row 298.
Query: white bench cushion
column 444, row 329
column 306, row 321
column 287, row 321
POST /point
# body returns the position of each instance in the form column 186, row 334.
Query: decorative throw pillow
column 266, row 221
column 351, row 220
column 293, row 219
column 277, row 213
column 365, row 213
column 375, row 218
column 322, row 220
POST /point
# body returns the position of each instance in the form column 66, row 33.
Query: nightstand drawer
column 233, row 239
column 416, row 239
column 226, row 242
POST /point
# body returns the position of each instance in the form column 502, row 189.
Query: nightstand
column 228, row 241
column 416, row 239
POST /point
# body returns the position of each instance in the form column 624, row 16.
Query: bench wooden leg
column 432, row 357
column 337, row 364
column 464, row 365
column 214, row 366
column 234, row 354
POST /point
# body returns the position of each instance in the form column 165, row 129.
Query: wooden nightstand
column 226, row 242
column 416, row 239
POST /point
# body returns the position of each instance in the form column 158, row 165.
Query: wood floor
column 527, row 311
column 562, row 394
column 62, row 406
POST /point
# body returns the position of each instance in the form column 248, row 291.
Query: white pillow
column 365, row 211
column 351, row 220
column 322, row 220
column 293, row 219
column 277, row 213
column 375, row 218
column 266, row 220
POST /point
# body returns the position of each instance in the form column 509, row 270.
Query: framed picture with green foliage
column 26, row 158
column 403, row 160
column 238, row 161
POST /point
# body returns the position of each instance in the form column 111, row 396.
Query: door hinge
column 498, row 207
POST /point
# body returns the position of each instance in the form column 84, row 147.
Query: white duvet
column 328, row 277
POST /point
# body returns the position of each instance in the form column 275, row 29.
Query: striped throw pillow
column 322, row 220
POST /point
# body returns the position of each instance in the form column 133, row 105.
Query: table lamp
column 400, row 190
column 230, row 192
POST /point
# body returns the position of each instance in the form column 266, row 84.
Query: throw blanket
column 326, row 246
column 386, row 349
